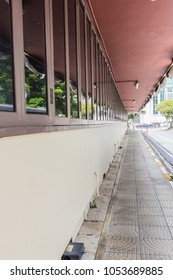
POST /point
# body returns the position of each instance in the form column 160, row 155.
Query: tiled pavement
column 134, row 217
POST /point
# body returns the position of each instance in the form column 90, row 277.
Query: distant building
column 149, row 115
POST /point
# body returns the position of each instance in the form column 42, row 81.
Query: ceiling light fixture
column 129, row 100
column 136, row 83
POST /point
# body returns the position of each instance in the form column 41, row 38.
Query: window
column 98, row 81
column 35, row 56
column 83, row 62
column 162, row 95
column 155, row 102
column 59, row 58
column 101, row 85
column 74, row 106
column 94, row 76
column 169, row 89
column 89, row 69
column 6, row 58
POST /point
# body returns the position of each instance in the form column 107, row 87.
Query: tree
column 132, row 116
column 6, row 80
column 166, row 108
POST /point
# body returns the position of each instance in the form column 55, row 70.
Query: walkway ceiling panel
column 138, row 38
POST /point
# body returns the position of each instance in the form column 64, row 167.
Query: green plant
column 93, row 204
column 166, row 108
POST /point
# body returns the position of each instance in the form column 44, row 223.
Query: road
column 163, row 137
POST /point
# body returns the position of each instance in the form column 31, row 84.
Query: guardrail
column 167, row 155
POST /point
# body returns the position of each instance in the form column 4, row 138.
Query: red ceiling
column 138, row 36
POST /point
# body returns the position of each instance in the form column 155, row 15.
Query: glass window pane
column 94, row 76
column 59, row 58
column 90, row 97
column 6, row 58
column 73, row 59
column 35, row 59
column 83, row 63
column 98, row 82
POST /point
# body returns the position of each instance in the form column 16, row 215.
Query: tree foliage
column 132, row 116
column 6, row 80
column 166, row 108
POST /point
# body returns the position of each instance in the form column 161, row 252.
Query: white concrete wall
column 46, row 183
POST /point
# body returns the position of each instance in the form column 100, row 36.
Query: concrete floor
column 134, row 215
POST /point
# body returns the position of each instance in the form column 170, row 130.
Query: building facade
column 61, row 122
column 151, row 115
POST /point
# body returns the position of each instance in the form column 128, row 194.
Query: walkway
column 138, row 219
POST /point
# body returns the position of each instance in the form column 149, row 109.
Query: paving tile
column 152, row 220
column 125, row 219
column 96, row 215
column 150, row 232
column 154, row 256
column 123, row 230
column 169, row 220
column 90, row 228
column 120, row 244
column 156, row 246
column 121, row 256
column 88, row 256
column 90, row 242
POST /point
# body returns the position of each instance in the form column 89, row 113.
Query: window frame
column 21, row 122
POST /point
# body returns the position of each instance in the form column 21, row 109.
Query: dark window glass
column 94, row 75
column 98, row 82
column 6, row 58
column 59, row 58
column 73, row 59
column 101, row 86
column 83, row 63
column 155, row 102
column 89, row 65
column 35, row 60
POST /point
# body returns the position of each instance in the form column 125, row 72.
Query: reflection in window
column 83, row 63
column 6, row 59
column 155, row 102
column 59, row 58
column 73, row 59
column 90, row 97
column 94, row 75
column 35, row 61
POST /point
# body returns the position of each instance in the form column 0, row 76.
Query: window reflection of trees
column 35, row 56
column 6, row 83
column 35, row 85
column 6, row 59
